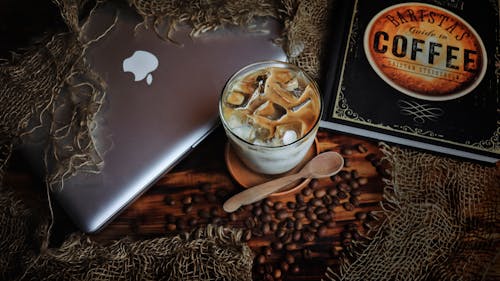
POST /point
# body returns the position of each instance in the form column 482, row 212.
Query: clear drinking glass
column 270, row 111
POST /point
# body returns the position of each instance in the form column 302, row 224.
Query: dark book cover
column 423, row 74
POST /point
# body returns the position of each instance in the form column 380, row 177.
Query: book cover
column 423, row 74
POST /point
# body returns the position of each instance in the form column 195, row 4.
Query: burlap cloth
column 439, row 219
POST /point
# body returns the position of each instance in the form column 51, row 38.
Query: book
column 421, row 74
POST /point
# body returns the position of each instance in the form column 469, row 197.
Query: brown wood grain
column 146, row 217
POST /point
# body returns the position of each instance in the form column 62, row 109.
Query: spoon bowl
column 323, row 165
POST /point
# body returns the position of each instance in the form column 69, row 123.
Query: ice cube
column 301, row 105
column 289, row 137
column 234, row 121
column 235, row 98
column 245, row 132
column 292, row 85
column 270, row 110
column 292, row 130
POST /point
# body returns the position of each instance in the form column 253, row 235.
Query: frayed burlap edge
column 439, row 221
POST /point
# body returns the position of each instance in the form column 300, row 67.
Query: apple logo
column 141, row 64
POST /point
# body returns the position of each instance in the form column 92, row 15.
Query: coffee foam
column 271, row 107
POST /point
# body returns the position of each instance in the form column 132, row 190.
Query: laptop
column 161, row 102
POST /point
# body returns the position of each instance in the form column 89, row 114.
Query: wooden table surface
column 203, row 179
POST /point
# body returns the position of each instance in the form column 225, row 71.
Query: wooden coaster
column 248, row 178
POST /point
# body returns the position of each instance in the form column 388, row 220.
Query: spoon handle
column 258, row 192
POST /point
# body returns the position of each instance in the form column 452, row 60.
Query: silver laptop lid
column 161, row 101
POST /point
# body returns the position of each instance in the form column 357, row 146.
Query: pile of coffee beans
column 285, row 232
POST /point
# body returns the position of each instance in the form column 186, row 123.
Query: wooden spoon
column 323, row 165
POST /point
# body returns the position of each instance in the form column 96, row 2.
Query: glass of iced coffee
column 270, row 111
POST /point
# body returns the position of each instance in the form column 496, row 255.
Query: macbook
column 161, row 101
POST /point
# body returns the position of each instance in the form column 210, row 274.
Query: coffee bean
column 291, row 205
column 335, row 252
column 222, row 193
column 204, row 214
column 308, row 236
column 325, row 217
column 205, row 187
column 187, row 200
column 278, row 205
column 266, row 228
column 355, row 192
column 260, row 259
column 298, row 225
column 268, row 202
column 314, row 183
column 354, row 184
column 277, row 245
column 347, row 162
column 371, row 157
column 296, row 236
column 247, row 235
column 361, row 215
column 362, row 180
column 196, row 199
column 354, row 201
column 277, row 273
column 287, row 238
column 249, row 223
column 299, row 215
column 292, row 247
column 320, row 210
column 316, row 202
column 192, row 222
column 280, row 232
column 306, row 191
column 266, row 209
column 354, row 174
column 169, row 201
column 348, row 206
column 327, row 199
column 315, row 224
column 257, row 211
column 351, row 226
column 341, row 195
column 273, row 225
column 343, row 187
column 299, row 198
column 306, row 253
column 336, row 178
column 289, row 223
column 336, row 201
column 281, row 215
column 216, row 220
column 346, row 151
column 331, row 224
column 345, row 175
column 187, row 208
column 171, row 227
column 319, row 193
column 383, row 171
column 289, row 258
column 322, row 230
column 311, row 216
column 266, row 250
column 233, row 217
column 346, row 235
column 266, row 217
column 284, row 266
column 257, row 232
column 332, row 191
column 295, row 269
column 211, row 198
column 361, row 148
